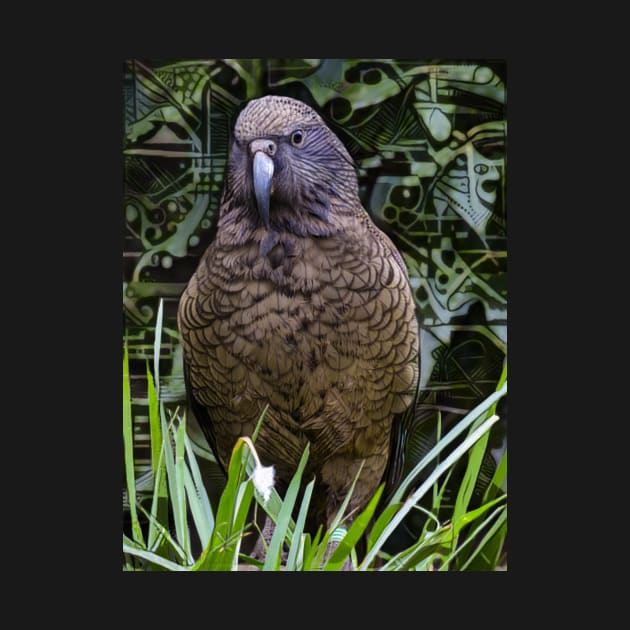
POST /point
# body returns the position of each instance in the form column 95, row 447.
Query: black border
column 78, row 281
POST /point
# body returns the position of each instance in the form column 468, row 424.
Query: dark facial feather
column 308, row 179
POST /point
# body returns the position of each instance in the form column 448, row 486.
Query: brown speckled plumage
column 312, row 315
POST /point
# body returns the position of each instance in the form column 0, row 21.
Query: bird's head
column 285, row 159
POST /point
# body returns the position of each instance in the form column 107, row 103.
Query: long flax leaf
column 221, row 541
column 311, row 547
column 473, row 515
column 457, row 430
column 154, row 558
column 261, row 419
column 273, row 505
column 464, row 494
column 344, row 505
column 212, row 557
column 448, row 560
column 428, row 547
column 164, row 538
column 179, row 506
column 159, row 502
column 154, row 421
column 323, row 547
column 436, row 496
column 244, row 498
column 274, row 554
column 496, row 483
column 475, row 457
column 492, row 542
column 383, row 519
column 426, row 485
column 198, row 501
column 295, row 558
column 157, row 520
column 352, row 537
column 171, row 476
column 128, row 450
column 157, row 341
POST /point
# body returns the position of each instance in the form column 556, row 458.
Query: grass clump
column 181, row 531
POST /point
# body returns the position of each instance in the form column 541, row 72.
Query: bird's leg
column 330, row 549
column 264, row 540
column 259, row 551
column 333, row 543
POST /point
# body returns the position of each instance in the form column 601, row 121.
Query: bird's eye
column 297, row 138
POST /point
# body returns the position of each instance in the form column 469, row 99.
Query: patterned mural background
column 429, row 141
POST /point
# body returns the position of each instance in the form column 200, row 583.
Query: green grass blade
column 424, row 487
column 198, row 498
column 422, row 553
column 164, row 540
column 440, row 491
column 259, row 423
column 503, row 377
column 498, row 479
column 383, row 519
column 154, row 421
column 236, row 476
column 156, row 346
column 464, row 494
column 323, row 547
column 462, row 548
column 244, row 498
column 356, row 530
column 499, row 523
column 436, row 494
column 179, row 506
column 214, row 557
column 388, row 515
column 128, row 451
column 344, row 506
column 295, row 559
column 159, row 506
column 159, row 502
column 475, row 460
column 475, row 457
column 473, row 515
column 457, row 430
column 158, row 518
column 171, row 476
column 487, row 555
column 311, row 547
column 274, row 555
column 320, row 550
column 223, row 554
column 153, row 558
column 222, row 544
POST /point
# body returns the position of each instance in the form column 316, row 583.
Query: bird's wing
column 402, row 422
column 401, row 426
column 387, row 241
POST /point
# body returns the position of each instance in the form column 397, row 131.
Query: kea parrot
column 301, row 305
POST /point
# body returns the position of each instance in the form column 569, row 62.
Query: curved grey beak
column 263, row 172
